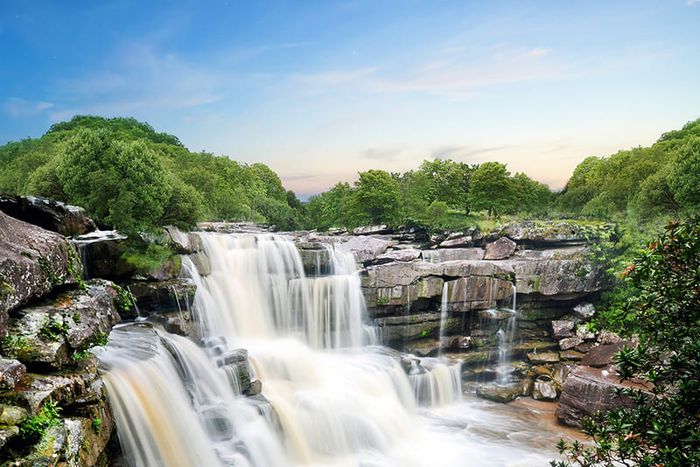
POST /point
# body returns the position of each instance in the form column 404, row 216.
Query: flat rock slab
column 604, row 354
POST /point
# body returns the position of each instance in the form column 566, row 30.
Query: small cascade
column 505, row 342
column 444, row 302
column 434, row 382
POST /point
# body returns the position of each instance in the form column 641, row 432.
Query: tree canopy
column 131, row 177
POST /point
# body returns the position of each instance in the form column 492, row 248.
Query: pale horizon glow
column 322, row 90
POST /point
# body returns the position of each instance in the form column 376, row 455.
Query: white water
column 505, row 343
column 336, row 401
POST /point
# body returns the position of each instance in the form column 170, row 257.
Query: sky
column 320, row 90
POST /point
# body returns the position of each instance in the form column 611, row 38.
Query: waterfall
column 334, row 398
column 505, row 341
column 444, row 302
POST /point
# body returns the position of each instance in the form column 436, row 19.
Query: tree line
column 127, row 175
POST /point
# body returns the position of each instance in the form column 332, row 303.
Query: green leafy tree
column 685, row 179
column 491, row 189
column 376, row 197
column 662, row 428
column 120, row 183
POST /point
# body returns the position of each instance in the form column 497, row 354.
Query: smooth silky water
column 336, row 397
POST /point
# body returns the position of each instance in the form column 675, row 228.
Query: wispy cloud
column 463, row 152
column 692, row 2
column 382, row 154
column 17, row 107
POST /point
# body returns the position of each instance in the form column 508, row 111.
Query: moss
column 52, row 329
column 73, row 266
column 382, row 301
column 34, row 428
column 12, row 346
column 124, row 301
column 424, row 333
column 5, row 288
column 47, row 269
column 100, row 339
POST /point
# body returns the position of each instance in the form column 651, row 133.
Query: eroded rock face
column 364, row 248
column 48, row 214
column 11, row 371
column 588, row 390
column 49, row 334
column 160, row 297
column 32, row 262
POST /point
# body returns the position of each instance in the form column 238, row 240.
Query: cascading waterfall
column 444, row 303
column 334, row 398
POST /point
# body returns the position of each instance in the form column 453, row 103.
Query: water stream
column 335, row 397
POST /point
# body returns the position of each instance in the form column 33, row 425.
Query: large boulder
column 441, row 255
column 32, row 262
column 555, row 233
column 364, row 248
column 11, row 371
column 500, row 249
column 49, row 214
column 603, row 355
column 49, row 334
column 589, row 390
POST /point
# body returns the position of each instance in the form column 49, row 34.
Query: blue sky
column 321, row 90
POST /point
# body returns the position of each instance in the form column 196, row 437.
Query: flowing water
column 506, row 336
column 335, row 397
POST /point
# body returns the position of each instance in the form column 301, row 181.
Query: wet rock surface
column 49, row 214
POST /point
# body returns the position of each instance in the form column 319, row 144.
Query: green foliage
column 12, row 345
column 646, row 186
column 124, row 301
column 32, row 429
column 131, row 177
column 52, row 329
column 100, row 339
column 662, row 308
column 148, row 257
column 376, row 197
column 96, row 425
column 491, row 189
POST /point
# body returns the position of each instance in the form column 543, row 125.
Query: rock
column 82, row 386
column 184, row 243
column 583, row 332
column 589, row 390
column 608, row 337
column 255, row 388
column 544, row 388
column 543, row 357
column 584, row 310
column 11, row 415
column 498, row 393
column 477, row 293
column 365, row 249
column 405, row 255
column 570, row 342
column 48, row 214
column 411, row 327
column 565, row 278
column 371, row 230
column 500, row 249
column 161, row 297
column 201, row 263
column 563, row 328
column 458, row 240
column 585, row 347
column 11, row 372
column 101, row 254
column 315, row 258
column 74, row 320
column 32, row 262
column 453, row 254
column 574, row 355
column 555, row 233
column 603, row 355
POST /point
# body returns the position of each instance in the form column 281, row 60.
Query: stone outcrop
column 49, row 214
column 32, row 262
column 589, row 390
column 50, row 334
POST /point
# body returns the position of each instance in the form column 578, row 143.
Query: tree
column 532, row 196
column 447, row 181
column 120, row 183
column 685, row 179
column 491, row 189
column 376, row 197
column 663, row 426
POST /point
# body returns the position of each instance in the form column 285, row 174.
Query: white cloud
column 17, row 107
column 692, row 2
